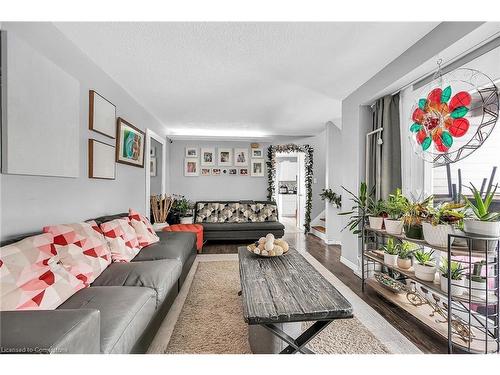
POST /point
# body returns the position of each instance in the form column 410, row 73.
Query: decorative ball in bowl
column 269, row 246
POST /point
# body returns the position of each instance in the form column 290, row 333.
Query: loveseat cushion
column 246, row 226
column 159, row 275
column 207, row 212
column 258, row 212
column 172, row 245
column 125, row 313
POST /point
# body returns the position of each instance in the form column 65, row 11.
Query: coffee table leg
column 298, row 344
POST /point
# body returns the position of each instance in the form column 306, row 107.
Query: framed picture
column 224, row 171
column 101, row 160
column 225, row 157
column 232, row 171
column 207, row 157
column 243, row 171
column 152, row 151
column 257, row 168
column 191, row 152
column 241, row 157
column 191, row 167
column 215, row 171
column 102, row 115
column 257, row 153
column 130, row 144
column 205, row 171
column 152, row 167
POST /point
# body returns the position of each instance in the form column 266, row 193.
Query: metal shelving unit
column 468, row 320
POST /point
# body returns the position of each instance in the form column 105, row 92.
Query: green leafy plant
column 446, row 213
column 392, row 247
column 481, row 208
column 416, row 210
column 375, row 207
column 406, row 250
column 456, row 269
column 332, row 197
column 182, row 206
column 358, row 210
column 424, row 257
column 395, row 205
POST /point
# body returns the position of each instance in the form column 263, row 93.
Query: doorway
column 154, row 167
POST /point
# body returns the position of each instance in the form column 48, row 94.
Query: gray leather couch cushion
column 104, row 219
column 266, row 225
column 159, row 275
column 125, row 313
column 172, row 245
column 50, row 331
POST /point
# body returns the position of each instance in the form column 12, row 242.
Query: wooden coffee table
column 288, row 289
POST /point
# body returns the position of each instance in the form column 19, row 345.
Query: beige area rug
column 211, row 320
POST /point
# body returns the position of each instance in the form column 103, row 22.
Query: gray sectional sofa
column 119, row 313
column 238, row 220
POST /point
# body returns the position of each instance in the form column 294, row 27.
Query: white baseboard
column 333, row 242
column 354, row 267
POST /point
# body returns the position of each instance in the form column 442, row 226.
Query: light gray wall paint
column 356, row 118
column 155, row 186
column 29, row 202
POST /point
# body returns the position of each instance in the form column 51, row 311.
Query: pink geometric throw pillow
column 122, row 239
column 82, row 249
column 145, row 232
column 31, row 277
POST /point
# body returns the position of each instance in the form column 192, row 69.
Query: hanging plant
column 332, row 197
column 271, row 174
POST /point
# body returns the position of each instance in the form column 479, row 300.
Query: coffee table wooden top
column 287, row 289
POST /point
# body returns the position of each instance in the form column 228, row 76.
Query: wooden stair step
column 319, row 228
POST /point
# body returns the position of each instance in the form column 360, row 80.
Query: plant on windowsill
column 441, row 222
column 332, row 197
column 416, row 211
column 480, row 220
column 457, row 277
column 425, row 266
column 376, row 213
column 395, row 206
column 406, row 250
column 358, row 210
column 184, row 209
column 391, row 251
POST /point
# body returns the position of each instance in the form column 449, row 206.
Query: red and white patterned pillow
column 145, row 232
column 82, row 249
column 122, row 239
column 31, row 277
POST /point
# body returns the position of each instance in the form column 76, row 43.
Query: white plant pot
column 482, row 228
column 477, row 289
column 393, row 226
column 376, row 222
column 424, row 273
column 391, row 260
column 187, row 220
column 158, row 227
column 457, row 286
column 404, row 263
column 437, row 235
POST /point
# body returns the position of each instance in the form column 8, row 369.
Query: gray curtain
column 385, row 160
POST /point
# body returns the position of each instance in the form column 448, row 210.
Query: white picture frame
column 102, row 115
column 191, row 152
column 232, row 171
column 225, row 157
column 216, row 171
column 243, row 172
column 205, row 171
column 101, row 160
column 257, row 153
column 257, row 168
column 152, row 152
column 152, row 167
column 241, row 157
column 191, row 167
column 207, row 155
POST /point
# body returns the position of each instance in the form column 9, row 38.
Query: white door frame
column 151, row 134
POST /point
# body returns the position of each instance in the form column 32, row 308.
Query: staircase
column 319, row 229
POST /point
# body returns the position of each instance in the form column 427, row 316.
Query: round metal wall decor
column 453, row 117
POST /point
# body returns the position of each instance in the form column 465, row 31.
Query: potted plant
column 406, row 250
column 395, row 207
column 184, row 208
column 477, row 282
column 425, row 266
column 481, row 221
column 441, row 222
column 332, row 197
column 456, row 272
column 416, row 211
column 358, row 210
column 391, row 251
column 376, row 213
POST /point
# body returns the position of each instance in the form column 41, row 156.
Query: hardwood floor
column 329, row 257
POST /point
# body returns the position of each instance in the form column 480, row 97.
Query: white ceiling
column 246, row 78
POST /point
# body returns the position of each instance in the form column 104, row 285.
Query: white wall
column 30, row 202
column 334, row 181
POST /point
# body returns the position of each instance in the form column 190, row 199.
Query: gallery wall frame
column 101, row 160
column 102, row 115
column 130, row 142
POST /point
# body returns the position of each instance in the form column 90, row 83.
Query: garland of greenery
column 271, row 174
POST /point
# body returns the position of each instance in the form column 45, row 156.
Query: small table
column 195, row 228
column 288, row 289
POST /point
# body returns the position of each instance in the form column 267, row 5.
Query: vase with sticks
column 160, row 207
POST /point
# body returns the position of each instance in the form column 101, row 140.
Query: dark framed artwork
column 129, row 144
column 101, row 160
column 102, row 115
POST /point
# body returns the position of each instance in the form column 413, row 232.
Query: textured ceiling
column 252, row 78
